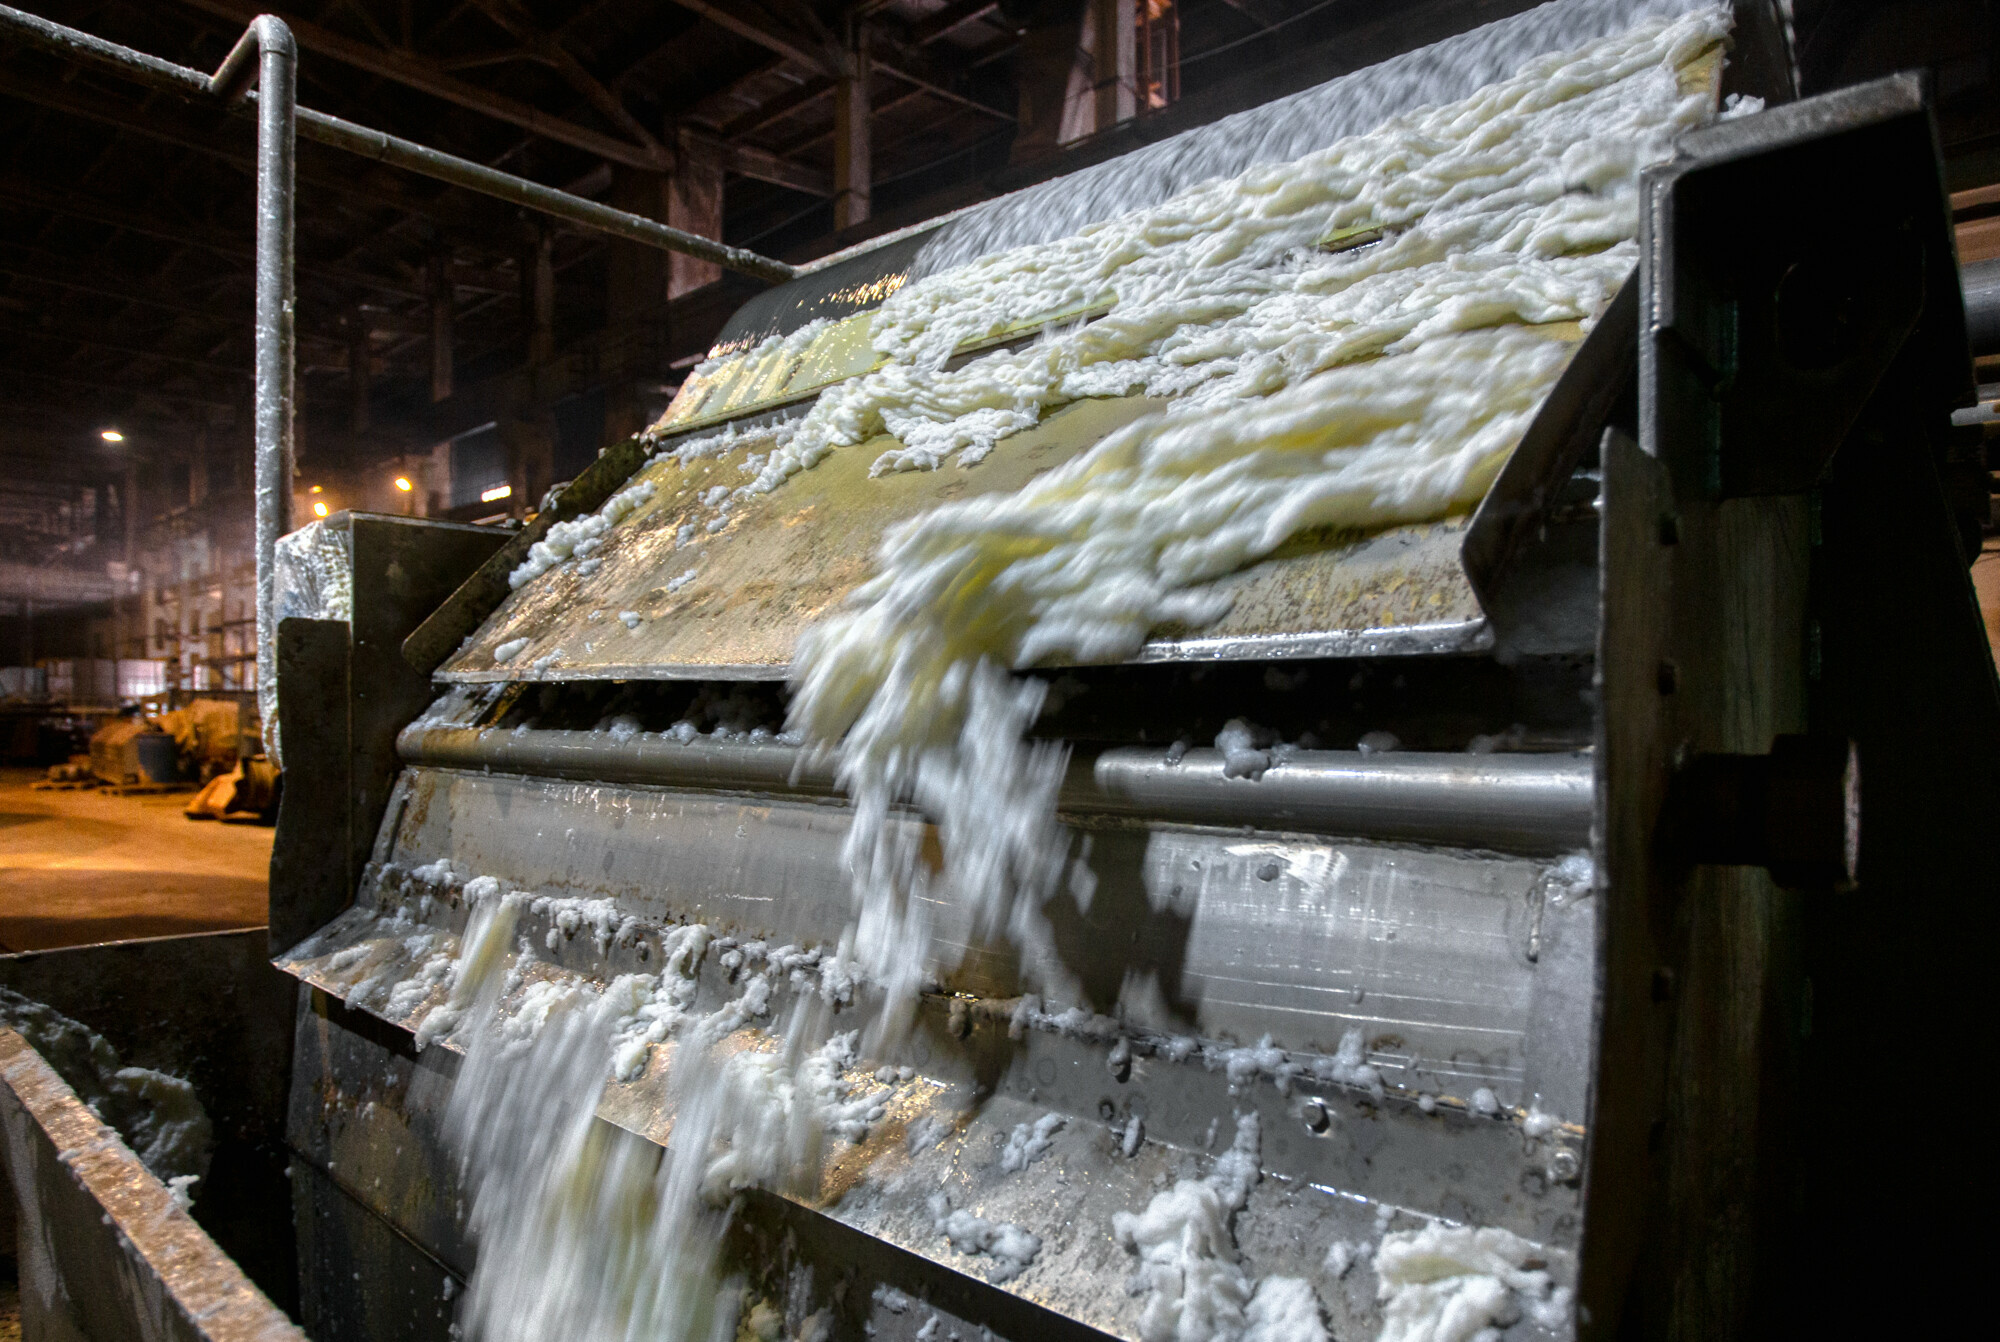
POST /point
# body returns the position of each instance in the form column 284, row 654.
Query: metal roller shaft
column 1981, row 284
column 1514, row 803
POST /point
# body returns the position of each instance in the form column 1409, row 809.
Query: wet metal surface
column 104, row 1252
column 783, row 559
column 1226, row 935
column 1230, row 936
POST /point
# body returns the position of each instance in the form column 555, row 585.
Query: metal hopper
column 1450, row 985
column 1538, row 970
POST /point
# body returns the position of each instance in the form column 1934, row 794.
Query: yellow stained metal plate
column 782, row 559
column 785, row 558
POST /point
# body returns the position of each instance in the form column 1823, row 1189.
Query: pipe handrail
column 394, row 150
column 267, row 55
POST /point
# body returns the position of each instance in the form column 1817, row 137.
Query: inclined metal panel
column 784, row 559
column 1224, row 933
column 376, row 1118
column 1184, row 931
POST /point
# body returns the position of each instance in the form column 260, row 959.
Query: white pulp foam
column 1193, row 1278
column 1380, row 385
column 589, row 1232
column 1280, row 131
column 159, row 1116
column 579, row 537
column 1455, row 1283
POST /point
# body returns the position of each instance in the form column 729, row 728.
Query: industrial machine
column 1585, row 884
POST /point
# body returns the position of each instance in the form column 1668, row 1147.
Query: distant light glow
column 495, row 494
column 316, row 489
column 112, row 436
column 403, row 483
column 319, row 510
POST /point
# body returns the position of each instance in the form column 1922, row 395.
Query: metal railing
column 267, row 56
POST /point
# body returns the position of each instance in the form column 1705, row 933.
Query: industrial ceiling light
column 403, row 483
column 495, row 494
column 319, row 510
column 112, row 436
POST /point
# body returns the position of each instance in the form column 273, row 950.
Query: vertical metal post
column 853, row 168
column 276, row 76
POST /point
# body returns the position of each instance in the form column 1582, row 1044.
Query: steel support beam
column 853, row 171
column 950, row 19
column 418, row 74
column 794, row 47
column 401, row 153
column 1114, row 57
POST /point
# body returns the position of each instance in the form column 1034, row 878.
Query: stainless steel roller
column 1532, row 804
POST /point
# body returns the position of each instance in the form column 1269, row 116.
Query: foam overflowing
column 590, row 1232
column 1309, row 389
column 1280, row 131
column 1314, row 391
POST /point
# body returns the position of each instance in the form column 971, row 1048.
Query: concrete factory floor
column 79, row 867
column 1986, row 578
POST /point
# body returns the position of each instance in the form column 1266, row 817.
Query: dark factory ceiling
column 125, row 214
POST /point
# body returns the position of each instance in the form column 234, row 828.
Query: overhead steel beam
column 126, row 295
column 406, row 154
column 953, row 17
column 164, row 125
column 150, row 226
column 800, row 98
column 1257, row 11
column 801, row 51
column 940, row 91
column 519, row 25
column 414, row 72
column 113, row 384
column 794, row 47
column 764, row 166
column 97, row 342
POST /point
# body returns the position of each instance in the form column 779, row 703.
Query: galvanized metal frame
column 1750, row 593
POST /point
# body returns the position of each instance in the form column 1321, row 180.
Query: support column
column 527, row 432
column 359, row 356
column 635, row 303
column 442, row 312
column 694, row 204
column 538, row 274
column 128, row 497
column 1115, row 56
column 853, row 166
